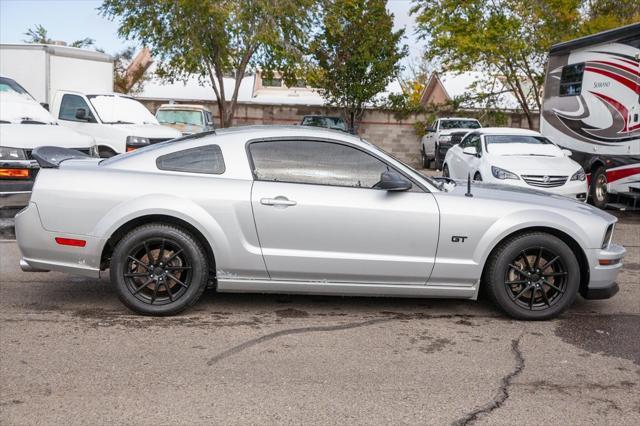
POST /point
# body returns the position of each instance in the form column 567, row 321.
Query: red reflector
column 70, row 242
column 14, row 173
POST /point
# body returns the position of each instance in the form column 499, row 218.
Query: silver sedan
column 301, row 210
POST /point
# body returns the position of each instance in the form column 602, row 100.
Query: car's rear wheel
column 159, row 269
column 445, row 171
column 105, row 152
column 533, row 276
column 598, row 190
column 477, row 177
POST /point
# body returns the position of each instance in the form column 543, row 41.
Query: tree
column 217, row 39
column 508, row 40
column 39, row 34
column 356, row 54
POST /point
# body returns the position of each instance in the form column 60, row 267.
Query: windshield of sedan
column 521, row 145
column 335, row 123
column 8, row 85
column 174, row 116
column 114, row 109
column 459, row 124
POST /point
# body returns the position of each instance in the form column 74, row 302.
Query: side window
column 203, row 159
column 320, row 163
column 70, row 104
column 571, row 80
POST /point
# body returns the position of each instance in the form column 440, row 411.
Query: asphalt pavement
column 70, row 353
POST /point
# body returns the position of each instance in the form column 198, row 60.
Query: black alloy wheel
column 159, row 269
column 536, row 279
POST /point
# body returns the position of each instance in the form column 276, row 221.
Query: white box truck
column 44, row 69
column 592, row 107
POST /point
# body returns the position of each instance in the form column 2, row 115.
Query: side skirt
column 346, row 289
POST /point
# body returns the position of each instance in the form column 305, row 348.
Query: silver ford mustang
column 302, row 210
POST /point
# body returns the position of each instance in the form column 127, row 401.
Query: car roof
column 183, row 106
column 506, row 131
column 458, row 118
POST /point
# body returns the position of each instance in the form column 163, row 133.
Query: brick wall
column 380, row 127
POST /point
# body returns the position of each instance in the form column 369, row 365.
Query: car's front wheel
column 159, row 269
column 426, row 163
column 599, row 194
column 445, row 171
column 533, row 276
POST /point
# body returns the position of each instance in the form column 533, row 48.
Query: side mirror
column 430, row 130
column 567, row 152
column 392, row 181
column 81, row 114
column 470, row 150
column 209, row 123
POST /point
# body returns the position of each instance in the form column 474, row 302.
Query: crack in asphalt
column 258, row 340
column 503, row 392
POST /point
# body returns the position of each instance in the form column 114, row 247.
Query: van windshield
column 174, row 116
column 114, row 109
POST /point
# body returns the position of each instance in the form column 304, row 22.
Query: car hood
column 527, row 198
column 16, row 108
column 449, row 131
column 29, row 136
column 148, row 130
column 535, row 164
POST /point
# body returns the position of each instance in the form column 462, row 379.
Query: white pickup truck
column 438, row 138
column 117, row 122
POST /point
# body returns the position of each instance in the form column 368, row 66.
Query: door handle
column 278, row 201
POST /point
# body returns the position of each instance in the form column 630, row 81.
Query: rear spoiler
column 50, row 157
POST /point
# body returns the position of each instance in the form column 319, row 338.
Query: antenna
column 468, row 194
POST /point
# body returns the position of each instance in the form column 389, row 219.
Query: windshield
column 459, row 124
column 173, row 116
column 114, row 109
column 8, row 85
column 520, row 144
column 335, row 123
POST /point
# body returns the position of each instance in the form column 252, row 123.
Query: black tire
column 445, row 171
column 438, row 160
column 548, row 290
column 104, row 152
column 598, row 188
column 426, row 163
column 166, row 266
column 477, row 177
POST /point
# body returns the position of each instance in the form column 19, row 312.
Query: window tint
column 459, row 124
column 203, row 159
column 320, row 163
column 571, row 80
column 272, row 82
column 69, row 106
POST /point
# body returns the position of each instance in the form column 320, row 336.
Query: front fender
column 522, row 220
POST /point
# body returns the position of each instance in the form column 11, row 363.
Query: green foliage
column 214, row 39
column 508, row 40
column 355, row 54
column 39, row 34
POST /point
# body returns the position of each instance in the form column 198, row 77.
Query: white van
column 118, row 122
column 25, row 125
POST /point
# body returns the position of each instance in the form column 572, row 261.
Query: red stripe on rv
column 622, row 110
column 614, row 175
column 613, row 64
column 630, row 84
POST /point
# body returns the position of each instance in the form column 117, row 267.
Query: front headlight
column 444, row 138
column 502, row 174
column 607, row 236
column 579, row 175
column 7, row 153
column 135, row 142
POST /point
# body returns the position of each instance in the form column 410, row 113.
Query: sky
column 70, row 20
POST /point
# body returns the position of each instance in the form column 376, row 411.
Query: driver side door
column 320, row 219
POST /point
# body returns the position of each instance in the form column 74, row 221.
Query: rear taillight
column 70, row 242
column 14, row 173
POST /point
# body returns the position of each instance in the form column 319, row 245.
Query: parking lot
column 72, row 354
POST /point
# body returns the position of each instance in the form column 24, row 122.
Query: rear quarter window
column 203, row 159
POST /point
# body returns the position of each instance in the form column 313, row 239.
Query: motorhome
column 591, row 106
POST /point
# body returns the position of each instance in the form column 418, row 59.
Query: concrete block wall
column 380, row 127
